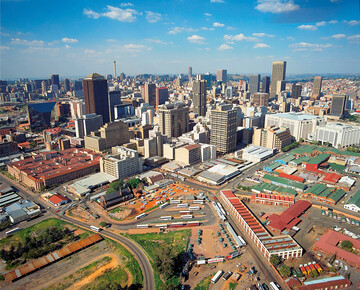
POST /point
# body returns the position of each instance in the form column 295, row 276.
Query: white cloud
column 307, row 27
column 69, row 40
column 178, row 29
column 352, row 22
column 261, row 45
column 265, row 56
column 126, row 4
column 207, row 28
column 3, row 48
column 155, row 40
column 354, row 39
column 239, row 37
column 67, row 46
column 136, row 47
column 4, row 34
column 231, row 28
column 217, row 1
column 290, row 38
column 18, row 41
column 123, row 15
column 111, row 40
column 89, row 51
column 305, row 46
column 207, row 14
column 321, row 23
column 333, row 21
column 225, row 46
column 217, row 24
column 152, row 17
column 262, row 34
column 338, row 36
column 276, row 6
column 91, row 14
column 196, row 39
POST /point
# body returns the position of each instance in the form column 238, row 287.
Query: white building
column 300, row 125
column 338, row 134
column 122, row 163
column 256, row 154
column 354, row 202
column 87, row 124
column 208, row 152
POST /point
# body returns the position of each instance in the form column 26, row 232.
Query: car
column 57, row 210
column 195, row 273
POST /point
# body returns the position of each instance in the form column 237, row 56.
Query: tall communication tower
column 114, row 68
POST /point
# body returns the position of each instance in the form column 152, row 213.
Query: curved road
column 144, row 263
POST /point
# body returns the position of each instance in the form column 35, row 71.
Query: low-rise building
column 256, row 154
column 58, row 199
column 22, row 211
column 115, row 198
column 353, row 203
column 272, row 137
column 189, row 154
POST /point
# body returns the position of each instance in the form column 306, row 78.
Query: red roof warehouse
column 289, row 218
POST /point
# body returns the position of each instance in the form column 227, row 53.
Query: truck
column 217, row 276
column 227, row 275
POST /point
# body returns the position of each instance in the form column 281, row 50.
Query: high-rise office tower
column 223, row 128
column 173, row 119
column 221, row 75
column 96, row 96
column 114, row 99
column 199, row 97
column 278, row 74
column 189, row 72
column 66, row 85
column 55, row 80
column 78, row 86
column 208, row 79
column 150, row 94
column 281, row 86
column 43, row 86
column 296, row 91
column 317, row 86
column 254, row 84
column 162, row 95
column 265, row 84
column 261, row 99
column 338, row 105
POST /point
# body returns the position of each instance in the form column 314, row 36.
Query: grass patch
column 112, row 277
column 84, row 235
column 151, row 208
column 232, row 285
column 151, row 242
column 118, row 209
column 204, row 283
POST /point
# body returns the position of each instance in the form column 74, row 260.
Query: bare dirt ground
column 58, row 272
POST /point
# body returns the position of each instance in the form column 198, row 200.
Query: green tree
column 347, row 245
column 284, row 271
column 275, row 260
column 33, row 144
column 115, row 186
column 164, row 261
column 103, row 224
column 134, row 183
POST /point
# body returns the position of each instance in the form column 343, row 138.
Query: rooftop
column 297, row 116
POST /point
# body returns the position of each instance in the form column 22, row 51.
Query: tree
column 33, row 144
column 347, row 245
column 115, row 186
column 103, row 224
column 284, row 271
column 164, row 261
column 275, row 260
column 134, row 183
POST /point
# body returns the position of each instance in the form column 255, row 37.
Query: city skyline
column 77, row 38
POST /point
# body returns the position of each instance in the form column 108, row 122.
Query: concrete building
column 338, row 103
column 114, row 99
column 272, row 137
column 256, row 154
column 317, row 86
column 150, row 94
column 77, row 109
column 261, row 99
column 87, row 124
column 296, row 91
column 208, row 152
column 278, row 74
column 122, row 163
column 199, row 97
column 265, row 84
column 338, row 135
column 189, row 154
column 169, row 149
column 300, row 125
column 254, row 84
column 221, row 75
column 162, row 96
column 153, row 146
column 223, row 128
column 173, row 119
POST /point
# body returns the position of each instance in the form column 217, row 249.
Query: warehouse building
column 353, row 203
column 256, row 154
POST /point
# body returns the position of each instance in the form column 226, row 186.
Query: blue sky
column 75, row 38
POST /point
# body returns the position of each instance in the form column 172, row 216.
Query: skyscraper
column 55, row 80
column 199, row 97
column 265, row 85
column 338, row 105
column 173, row 119
column 162, row 95
column 254, row 84
column 114, row 99
column 223, row 128
column 296, row 91
column 66, row 85
column 96, row 96
column 189, row 72
column 261, row 99
column 208, row 79
column 150, row 94
column 221, row 75
column 278, row 74
column 317, row 86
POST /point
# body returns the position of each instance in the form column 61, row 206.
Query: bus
column 166, row 218
column 96, row 229
column 142, row 226
column 217, row 276
column 274, row 286
column 164, row 205
column 175, row 201
column 187, row 216
column 140, row 216
column 11, row 232
column 199, row 201
column 194, row 207
column 161, row 226
column 182, row 205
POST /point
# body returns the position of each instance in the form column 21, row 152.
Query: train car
column 161, row 226
column 177, row 225
column 193, row 224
